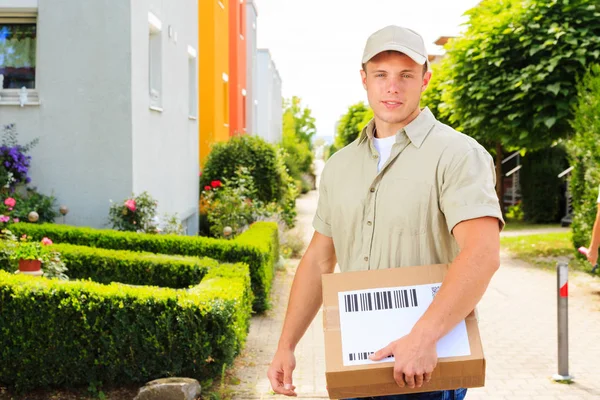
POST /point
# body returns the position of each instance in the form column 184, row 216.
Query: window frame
column 155, row 30
column 12, row 96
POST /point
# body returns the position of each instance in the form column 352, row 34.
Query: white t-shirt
column 384, row 148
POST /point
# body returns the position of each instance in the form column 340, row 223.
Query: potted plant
column 30, row 255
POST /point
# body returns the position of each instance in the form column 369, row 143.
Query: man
column 409, row 191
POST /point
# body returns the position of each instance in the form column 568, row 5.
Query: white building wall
column 252, row 68
column 165, row 142
column 99, row 140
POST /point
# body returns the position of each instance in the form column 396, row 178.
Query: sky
column 317, row 45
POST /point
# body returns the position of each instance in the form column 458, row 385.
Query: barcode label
column 360, row 356
column 380, row 300
column 434, row 290
column 363, row 355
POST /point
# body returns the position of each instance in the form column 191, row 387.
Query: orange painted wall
column 237, row 67
column 213, row 73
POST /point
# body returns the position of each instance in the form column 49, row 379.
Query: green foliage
column 234, row 204
column 511, row 77
column 254, row 247
column 584, row 155
column 30, row 200
column 351, row 124
column 136, row 214
column 13, row 249
column 298, row 121
column 136, row 268
column 541, row 188
column 252, row 152
column 515, row 213
column 57, row 333
column 298, row 130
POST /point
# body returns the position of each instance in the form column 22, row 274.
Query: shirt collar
column 417, row 130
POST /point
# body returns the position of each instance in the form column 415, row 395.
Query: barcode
column 360, row 356
column 383, row 300
column 363, row 355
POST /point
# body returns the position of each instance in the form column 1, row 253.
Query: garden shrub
column 258, row 247
column 71, row 333
column 584, row 155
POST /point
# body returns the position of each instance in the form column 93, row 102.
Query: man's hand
column 280, row 372
column 415, row 359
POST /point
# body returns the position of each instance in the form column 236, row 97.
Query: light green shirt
column 403, row 215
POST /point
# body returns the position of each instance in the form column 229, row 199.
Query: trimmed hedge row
column 106, row 266
column 258, row 247
column 71, row 333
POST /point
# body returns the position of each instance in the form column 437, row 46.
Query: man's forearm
column 305, row 299
column 595, row 242
column 463, row 287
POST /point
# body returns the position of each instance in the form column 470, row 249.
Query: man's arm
column 464, row 285
column 304, row 302
column 592, row 254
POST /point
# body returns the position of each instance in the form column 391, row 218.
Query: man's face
column 394, row 83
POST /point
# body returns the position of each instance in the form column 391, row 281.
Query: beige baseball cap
column 399, row 39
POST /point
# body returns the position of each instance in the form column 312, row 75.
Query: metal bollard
column 562, row 273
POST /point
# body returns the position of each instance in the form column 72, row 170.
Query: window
column 18, row 40
column 192, row 82
column 155, row 61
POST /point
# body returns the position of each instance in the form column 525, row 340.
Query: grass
column 518, row 225
column 545, row 250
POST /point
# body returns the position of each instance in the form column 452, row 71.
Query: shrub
column 584, row 155
column 25, row 202
column 258, row 247
column 14, row 161
column 233, row 203
column 254, row 153
column 136, row 214
column 106, row 266
column 70, row 333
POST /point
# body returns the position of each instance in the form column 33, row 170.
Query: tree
column 511, row 78
column 351, row 124
column 299, row 120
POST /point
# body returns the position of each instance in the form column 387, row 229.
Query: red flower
column 207, row 188
column 216, row 184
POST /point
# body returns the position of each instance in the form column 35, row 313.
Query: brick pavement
column 518, row 329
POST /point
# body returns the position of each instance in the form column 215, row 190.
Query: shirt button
column 366, row 258
column 372, row 190
column 369, row 223
column 375, row 156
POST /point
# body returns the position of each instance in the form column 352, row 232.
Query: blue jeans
column 458, row 394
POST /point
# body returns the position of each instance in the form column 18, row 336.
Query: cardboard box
column 391, row 293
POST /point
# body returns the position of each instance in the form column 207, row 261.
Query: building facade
column 213, row 41
column 270, row 103
column 100, row 84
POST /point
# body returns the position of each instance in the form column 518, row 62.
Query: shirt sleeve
column 322, row 219
column 469, row 189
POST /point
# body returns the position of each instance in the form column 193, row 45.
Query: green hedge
column 258, row 247
column 106, row 266
column 584, row 154
column 71, row 333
